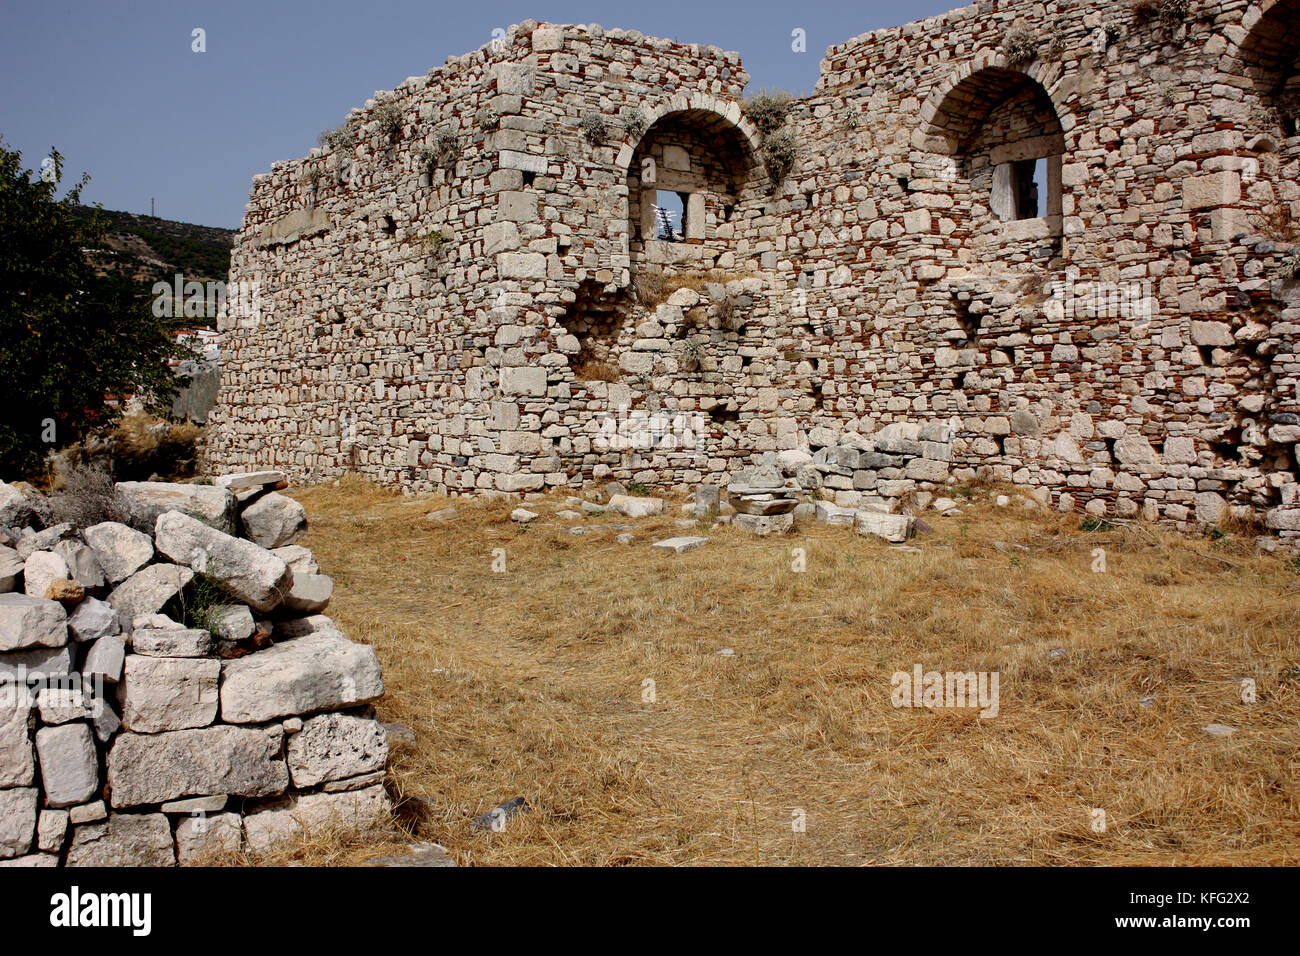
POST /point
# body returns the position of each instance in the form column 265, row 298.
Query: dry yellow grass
column 530, row 683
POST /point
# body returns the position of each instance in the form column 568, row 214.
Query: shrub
column 768, row 111
column 635, row 123
column 1168, row 13
column 596, row 372
column 389, row 118
column 692, row 354
column 779, row 153
column 487, row 120
column 1288, row 267
column 202, row 602
column 341, row 137
column 1019, row 47
column 443, row 154
column 86, row 495
column 729, row 314
column 593, row 129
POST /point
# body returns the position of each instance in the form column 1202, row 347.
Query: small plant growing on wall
column 341, row 137
column 311, row 177
column 487, row 119
column 593, row 129
column 779, row 153
column 443, row 154
column 1019, row 47
column 692, row 355
column 768, row 111
column 729, row 313
column 389, row 118
column 1288, row 267
column 635, row 123
column 1168, row 13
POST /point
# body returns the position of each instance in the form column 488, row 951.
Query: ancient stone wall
column 1067, row 226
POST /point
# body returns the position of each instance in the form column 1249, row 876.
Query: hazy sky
column 117, row 89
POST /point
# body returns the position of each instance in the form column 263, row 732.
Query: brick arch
column 986, row 79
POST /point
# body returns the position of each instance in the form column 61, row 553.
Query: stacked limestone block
column 129, row 738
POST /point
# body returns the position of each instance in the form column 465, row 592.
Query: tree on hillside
column 69, row 340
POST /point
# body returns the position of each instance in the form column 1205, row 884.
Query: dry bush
column 779, row 152
column 652, row 289
column 587, row 371
column 1168, row 13
column 768, row 111
column 530, row 683
column 85, row 495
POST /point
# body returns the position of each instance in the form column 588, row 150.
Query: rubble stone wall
column 1134, row 351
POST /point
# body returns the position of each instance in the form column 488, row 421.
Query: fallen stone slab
column 155, row 768
column 121, row 550
column 523, row 515
column 637, row 507
column 11, row 568
column 274, row 521
column 304, row 675
column 893, row 528
column 27, row 621
column 146, row 501
column 1219, row 730
column 69, row 766
column 353, row 809
column 336, row 747
column 828, row 513
column 15, row 509
column 763, row 525
column 125, row 839
column 251, row 573
column 18, row 813
column 166, row 693
column 441, row 515
column 678, row 545
column 298, row 558
column 252, row 479
column 148, row 591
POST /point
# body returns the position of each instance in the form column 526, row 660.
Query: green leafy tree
column 70, row 339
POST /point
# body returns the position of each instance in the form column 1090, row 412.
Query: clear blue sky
column 116, row 88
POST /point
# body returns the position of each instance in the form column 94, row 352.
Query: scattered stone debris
column 444, row 514
column 523, row 515
column 495, row 820
column 1219, row 730
column 678, row 545
column 418, row 854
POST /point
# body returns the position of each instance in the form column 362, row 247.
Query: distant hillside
column 152, row 249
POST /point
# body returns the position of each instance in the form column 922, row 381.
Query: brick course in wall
column 425, row 312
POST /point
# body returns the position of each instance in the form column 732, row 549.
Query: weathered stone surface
column 206, row 836
column 91, row 620
column 213, row 804
column 763, row 525
column 321, row 671
column 636, row 507
column 172, row 642
column 298, row 558
column 234, row 622
column 335, row 747
column 91, row 812
column 62, row 705
column 312, row 812
column 249, row 572
column 835, row 515
column 309, row 593
column 125, row 839
column 17, row 821
column 83, row 564
column 895, row 528
column 678, row 545
column 15, row 509
column 759, row 506
column 11, row 569
column 121, row 550
column 104, row 659
column 27, row 621
column 16, row 765
column 419, row 854
column 36, row 664
column 51, row 830
column 148, row 591
column 69, row 767
column 166, row 693
column 274, row 521
column 40, row 569
column 154, row 768
column 149, row 500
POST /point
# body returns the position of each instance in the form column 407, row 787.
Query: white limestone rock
column 298, row 558
column 249, row 572
column 92, row 620
column 336, row 747
column 309, row 593
column 894, row 528
column 171, row 642
column 315, row 811
column 637, row 507
column 205, row 835
column 42, row 568
column 155, row 768
column 148, row 591
column 169, row 693
column 31, row 621
column 274, row 521
column 149, row 500
column 83, row 565
column 304, row 675
column 17, row 768
column 17, row 821
column 124, row 839
column 69, row 767
column 120, row 549
column 11, row 569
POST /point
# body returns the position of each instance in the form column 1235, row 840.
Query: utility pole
column 151, row 213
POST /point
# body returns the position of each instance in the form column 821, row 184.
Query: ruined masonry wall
column 1138, row 354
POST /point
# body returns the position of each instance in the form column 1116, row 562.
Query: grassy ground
column 532, row 682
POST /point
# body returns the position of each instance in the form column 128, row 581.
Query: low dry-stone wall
column 130, row 738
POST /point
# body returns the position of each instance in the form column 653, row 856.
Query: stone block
column 166, row 693
column 304, row 675
column 274, row 521
column 250, row 573
column 125, row 839
column 154, row 768
column 312, row 812
column 891, row 527
column 27, row 621
column 69, row 766
column 147, row 500
column 336, row 747
column 18, row 813
column 121, row 550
